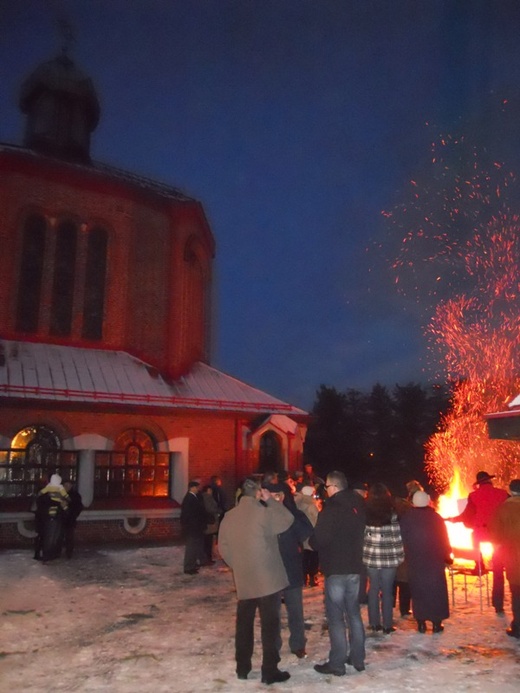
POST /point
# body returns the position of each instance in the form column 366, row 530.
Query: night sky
column 295, row 123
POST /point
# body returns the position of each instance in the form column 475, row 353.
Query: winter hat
column 55, row 480
column 420, row 499
column 514, row 487
column 308, row 491
column 484, row 477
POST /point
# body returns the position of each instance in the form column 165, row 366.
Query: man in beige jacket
column 248, row 543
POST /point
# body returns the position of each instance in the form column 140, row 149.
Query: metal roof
column 56, row 373
column 513, row 409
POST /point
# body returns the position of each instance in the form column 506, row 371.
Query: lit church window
column 35, row 454
column 133, row 468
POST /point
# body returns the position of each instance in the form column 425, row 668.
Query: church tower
column 105, row 333
column 62, row 110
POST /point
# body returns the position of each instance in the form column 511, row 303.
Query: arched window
column 134, row 468
column 40, row 445
column 94, row 301
column 63, row 282
column 35, row 454
column 270, row 459
column 132, row 440
column 31, row 271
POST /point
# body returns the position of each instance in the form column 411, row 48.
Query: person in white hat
column 427, row 550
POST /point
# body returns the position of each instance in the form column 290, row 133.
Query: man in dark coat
column 70, row 517
column 427, row 550
column 193, row 524
column 338, row 538
column 290, row 544
column 219, row 495
column 41, row 510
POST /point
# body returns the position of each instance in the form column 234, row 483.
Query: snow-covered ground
column 130, row 621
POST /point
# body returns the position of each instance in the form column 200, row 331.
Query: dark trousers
column 402, row 589
column 497, row 566
column 515, row 606
column 311, row 565
column 69, row 539
column 269, row 610
column 38, row 543
column 208, row 546
column 52, row 538
column 194, row 551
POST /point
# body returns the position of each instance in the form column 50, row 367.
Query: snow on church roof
column 55, row 373
column 513, row 409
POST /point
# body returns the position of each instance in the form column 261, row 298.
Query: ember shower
column 460, row 261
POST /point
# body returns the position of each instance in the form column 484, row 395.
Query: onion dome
column 62, row 110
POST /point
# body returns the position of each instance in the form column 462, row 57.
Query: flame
column 478, row 335
column 451, row 504
column 460, row 256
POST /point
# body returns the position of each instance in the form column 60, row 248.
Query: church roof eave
column 50, row 373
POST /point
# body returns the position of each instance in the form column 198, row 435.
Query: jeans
column 343, row 613
column 269, row 608
column 292, row 596
column 381, row 582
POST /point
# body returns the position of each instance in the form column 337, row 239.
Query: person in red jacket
column 481, row 506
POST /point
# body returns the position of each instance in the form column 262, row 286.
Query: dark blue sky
column 295, row 123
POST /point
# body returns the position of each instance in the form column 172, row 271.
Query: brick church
column 105, row 308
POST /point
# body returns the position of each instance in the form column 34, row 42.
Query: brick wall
column 150, row 295
column 100, row 533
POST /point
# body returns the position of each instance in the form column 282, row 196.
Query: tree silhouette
column 379, row 436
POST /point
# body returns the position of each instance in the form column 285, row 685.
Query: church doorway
column 270, row 458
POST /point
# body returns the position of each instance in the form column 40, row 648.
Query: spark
column 460, row 256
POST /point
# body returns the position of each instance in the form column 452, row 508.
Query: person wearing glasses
column 338, row 538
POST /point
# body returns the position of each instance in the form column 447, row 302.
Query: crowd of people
column 369, row 546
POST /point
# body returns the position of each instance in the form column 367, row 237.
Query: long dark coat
column 193, row 515
column 290, row 544
column 427, row 549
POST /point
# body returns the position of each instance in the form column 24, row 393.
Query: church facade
column 105, row 335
